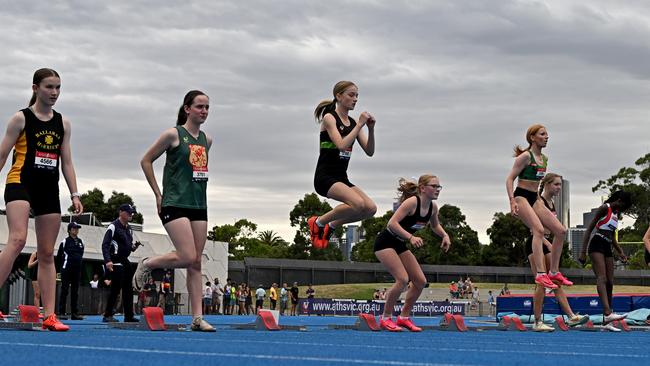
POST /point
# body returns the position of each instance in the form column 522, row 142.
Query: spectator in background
column 165, row 293
column 493, row 304
column 284, row 298
column 504, row 290
column 233, row 298
column 273, row 295
column 310, row 292
column 69, row 258
column 294, row 298
column 375, row 295
column 207, row 298
column 249, row 300
column 476, row 297
column 32, row 265
column 94, row 294
column 226, row 297
column 260, row 295
column 241, row 299
column 149, row 291
column 217, row 294
column 453, row 290
column 382, row 294
column 469, row 288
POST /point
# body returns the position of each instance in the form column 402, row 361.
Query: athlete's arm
column 520, row 163
column 342, row 143
column 15, row 126
column 439, row 230
column 167, row 140
column 367, row 143
column 618, row 248
column 68, row 169
column 602, row 211
column 646, row 239
column 32, row 261
column 405, row 209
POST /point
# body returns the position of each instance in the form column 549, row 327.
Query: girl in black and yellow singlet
column 529, row 168
column 550, row 186
column 338, row 132
column 415, row 211
column 182, row 204
column 40, row 137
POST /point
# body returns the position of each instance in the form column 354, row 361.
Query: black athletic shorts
column 647, row 257
column 531, row 197
column 42, row 200
column 386, row 240
column 601, row 245
column 170, row 213
column 529, row 247
column 323, row 183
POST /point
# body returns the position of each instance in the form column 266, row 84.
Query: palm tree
column 270, row 237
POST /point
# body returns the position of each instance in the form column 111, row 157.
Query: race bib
column 199, row 173
column 345, row 154
column 419, row 226
column 541, row 172
column 45, row 160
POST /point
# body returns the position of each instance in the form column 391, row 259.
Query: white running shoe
column 613, row 317
column 541, row 327
column 611, row 327
column 141, row 275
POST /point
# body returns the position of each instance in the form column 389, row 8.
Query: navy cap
column 128, row 208
column 73, row 225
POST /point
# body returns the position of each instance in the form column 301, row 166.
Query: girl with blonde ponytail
column 338, row 132
column 415, row 211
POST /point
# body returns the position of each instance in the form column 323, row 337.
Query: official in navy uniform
column 69, row 257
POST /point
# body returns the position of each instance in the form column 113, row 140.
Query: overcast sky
column 453, row 86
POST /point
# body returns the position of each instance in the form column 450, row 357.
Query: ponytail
column 187, row 102
column 39, row 75
column 408, row 188
column 329, row 106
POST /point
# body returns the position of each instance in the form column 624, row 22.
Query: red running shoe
column 324, row 240
column 315, row 231
column 545, row 281
column 54, row 324
column 559, row 278
column 408, row 324
column 389, row 325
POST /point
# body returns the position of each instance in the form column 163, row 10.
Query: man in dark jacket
column 116, row 248
column 69, row 256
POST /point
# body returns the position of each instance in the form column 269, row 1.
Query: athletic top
column 70, row 254
column 609, row 222
column 533, row 171
column 548, row 205
column 331, row 160
column 185, row 176
column 117, row 244
column 37, row 150
column 415, row 222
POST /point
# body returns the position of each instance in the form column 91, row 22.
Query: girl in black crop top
column 338, row 132
column 416, row 210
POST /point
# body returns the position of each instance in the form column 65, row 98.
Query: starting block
column 453, row 323
column 511, row 323
column 152, row 319
column 27, row 317
column 267, row 320
column 622, row 325
column 560, row 324
column 365, row 322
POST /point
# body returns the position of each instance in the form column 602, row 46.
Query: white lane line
column 233, row 355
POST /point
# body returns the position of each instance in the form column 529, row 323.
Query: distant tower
column 562, row 204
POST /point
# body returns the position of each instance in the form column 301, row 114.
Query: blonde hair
column 327, row 106
column 548, row 178
column 408, row 188
column 532, row 130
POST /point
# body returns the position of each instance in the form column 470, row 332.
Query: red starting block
column 560, row 324
column 452, row 322
column 622, row 325
column 152, row 319
column 28, row 317
column 511, row 323
column 266, row 321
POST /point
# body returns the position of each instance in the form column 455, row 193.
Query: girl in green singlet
column 529, row 168
column 182, row 204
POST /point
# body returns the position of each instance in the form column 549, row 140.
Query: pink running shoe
column 559, row 278
column 389, row 325
column 545, row 281
column 408, row 324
